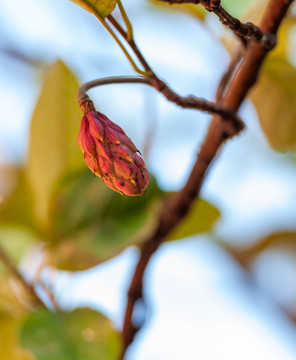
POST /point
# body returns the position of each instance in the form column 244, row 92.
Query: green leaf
column 198, row 12
column 275, row 99
column 16, row 207
column 201, row 218
column 102, row 8
column 15, row 241
column 238, row 8
column 12, row 311
column 16, row 217
column 80, row 334
column 93, row 223
column 78, row 200
column 53, row 137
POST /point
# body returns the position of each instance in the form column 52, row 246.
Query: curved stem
column 126, row 21
column 186, row 102
column 84, row 100
column 128, row 35
column 126, row 53
column 131, row 43
column 109, row 80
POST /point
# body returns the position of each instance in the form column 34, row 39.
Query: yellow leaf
column 12, row 311
column 200, row 218
column 275, row 99
column 198, row 12
column 102, row 8
column 53, row 137
column 285, row 46
column 9, row 341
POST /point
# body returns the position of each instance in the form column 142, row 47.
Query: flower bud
column 111, row 155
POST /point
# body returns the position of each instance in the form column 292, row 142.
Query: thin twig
column 192, row 102
column 178, row 205
column 86, row 103
column 126, row 20
column 188, row 102
column 244, row 31
column 131, row 43
column 6, row 260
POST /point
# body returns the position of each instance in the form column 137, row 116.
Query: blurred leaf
column 284, row 48
column 201, row 218
column 239, row 8
column 17, row 225
column 78, row 335
column 9, row 341
column 101, row 8
column 275, row 99
column 197, row 12
column 15, row 241
column 16, row 219
column 11, row 307
column 16, row 207
column 53, row 138
column 93, row 223
column 78, row 200
column 12, row 311
column 253, row 12
column 245, row 255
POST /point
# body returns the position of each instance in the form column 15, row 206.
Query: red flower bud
column 111, row 155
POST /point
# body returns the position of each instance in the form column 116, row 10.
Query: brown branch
column 5, row 259
column 192, row 102
column 227, row 76
column 177, row 206
column 189, row 102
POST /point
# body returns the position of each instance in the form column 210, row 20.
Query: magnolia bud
column 111, row 155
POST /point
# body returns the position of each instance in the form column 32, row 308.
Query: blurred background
column 225, row 294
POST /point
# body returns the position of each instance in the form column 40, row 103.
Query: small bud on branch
column 111, row 155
